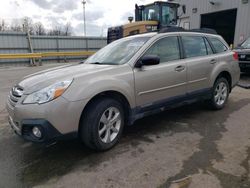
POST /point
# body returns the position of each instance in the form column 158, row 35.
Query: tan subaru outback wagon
column 128, row 79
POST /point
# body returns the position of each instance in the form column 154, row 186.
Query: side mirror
column 81, row 62
column 148, row 60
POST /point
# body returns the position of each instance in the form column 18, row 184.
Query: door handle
column 213, row 61
column 180, row 68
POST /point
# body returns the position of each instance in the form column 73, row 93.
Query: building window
column 186, row 25
column 195, row 10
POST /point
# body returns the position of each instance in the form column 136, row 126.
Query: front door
column 157, row 84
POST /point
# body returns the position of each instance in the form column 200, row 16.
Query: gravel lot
column 209, row 149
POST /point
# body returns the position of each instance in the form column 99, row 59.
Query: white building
column 230, row 18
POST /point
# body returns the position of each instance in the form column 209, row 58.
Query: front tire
column 220, row 94
column 102, row 124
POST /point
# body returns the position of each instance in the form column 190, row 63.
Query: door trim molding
column 161, row 89
column 199, row 80
column 168, row 103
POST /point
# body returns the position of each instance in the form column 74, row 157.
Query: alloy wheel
column 109, row 125
column 221, row 92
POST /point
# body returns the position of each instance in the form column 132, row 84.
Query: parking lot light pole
column 84, row 20
column 84, row 16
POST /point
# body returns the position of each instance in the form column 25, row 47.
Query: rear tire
column 102, row 124
column 220, row 94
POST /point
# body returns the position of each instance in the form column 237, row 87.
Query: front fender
column 86, row 89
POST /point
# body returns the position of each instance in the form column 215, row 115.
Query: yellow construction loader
column 148, row 18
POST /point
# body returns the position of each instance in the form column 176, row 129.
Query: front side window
column 194, row 46
column 166, row 49
column 218, row 45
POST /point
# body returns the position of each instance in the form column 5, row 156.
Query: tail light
column 236, row 56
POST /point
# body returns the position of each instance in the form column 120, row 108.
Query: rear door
column 200, row 62
column 157, row 84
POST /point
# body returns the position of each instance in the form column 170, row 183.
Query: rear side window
column 167, row 49
column 194, row 46
column 218, row 45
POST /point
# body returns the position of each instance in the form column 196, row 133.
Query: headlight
column 47, row 94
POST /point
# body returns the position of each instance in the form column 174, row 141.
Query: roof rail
column 204, row 30
column 171, row 29
column 180, row 29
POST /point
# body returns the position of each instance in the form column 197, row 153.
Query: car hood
column 42, row 79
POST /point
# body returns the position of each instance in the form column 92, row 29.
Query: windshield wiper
column 103, row 63
column 97, row 63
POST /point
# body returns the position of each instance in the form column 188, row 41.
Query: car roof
column 152, row 34
column 196, row 33
column 184, row 33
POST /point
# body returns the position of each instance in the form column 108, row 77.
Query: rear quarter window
column 218, row 45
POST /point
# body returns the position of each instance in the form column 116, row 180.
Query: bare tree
column 39, row 29
column 67, row 29
column 3, row 26
column 55, row 31
column 28, row 25
column 15, row 26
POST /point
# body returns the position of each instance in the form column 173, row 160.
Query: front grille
column 26, row 131
column 15, row 94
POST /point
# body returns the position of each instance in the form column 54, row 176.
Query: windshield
column 165, row 13
column 118, row 52
column 246, row 44
column 151, row 12
column 169, row 16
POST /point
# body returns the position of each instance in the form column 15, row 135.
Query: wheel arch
column 109, row 94
column 227, row 76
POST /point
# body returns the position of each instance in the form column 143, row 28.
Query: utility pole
column 84, row 20
column 26, row 29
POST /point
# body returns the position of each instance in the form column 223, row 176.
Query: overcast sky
column 100, row 14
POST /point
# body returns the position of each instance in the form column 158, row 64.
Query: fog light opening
column 37, row 132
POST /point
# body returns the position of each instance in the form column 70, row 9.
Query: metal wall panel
column 17, row 42
column 204, row 7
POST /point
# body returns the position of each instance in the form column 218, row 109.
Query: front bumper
column 58, row 119
column 24, row 129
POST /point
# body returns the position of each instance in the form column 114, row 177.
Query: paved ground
column 208, row 149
